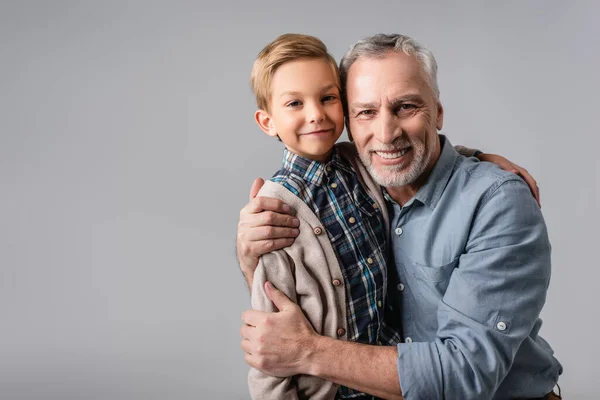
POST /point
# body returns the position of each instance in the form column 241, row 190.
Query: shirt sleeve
column 493, row 299
column 467, row 152
column 277, row 268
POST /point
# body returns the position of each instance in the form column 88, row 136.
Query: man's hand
column 514, row 168
column 265, row 225
column 278, row 344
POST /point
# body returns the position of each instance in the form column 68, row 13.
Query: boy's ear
column 264, row 121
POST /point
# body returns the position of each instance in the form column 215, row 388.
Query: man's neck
column 403, row 194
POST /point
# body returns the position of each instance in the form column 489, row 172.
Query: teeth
column 388, row 155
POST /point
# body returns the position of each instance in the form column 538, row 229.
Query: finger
column 265, row 246
column 250, row 360
column 246, row 346
column 256, row 185
column 259, row 233
column 271, row 218
column 253, row 317
column 533, row 186
column 280, row 300
column 247, row 332
column 261, row 203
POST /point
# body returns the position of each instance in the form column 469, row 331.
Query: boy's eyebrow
column 293, row 93
column 329, row 87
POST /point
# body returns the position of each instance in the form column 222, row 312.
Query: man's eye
column 295, row 103
column 407, row 106
column 365, row 112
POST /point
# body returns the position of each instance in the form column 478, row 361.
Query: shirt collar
column 429, row 194
column 313, row 171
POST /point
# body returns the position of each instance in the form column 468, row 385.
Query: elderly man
column 470, row 249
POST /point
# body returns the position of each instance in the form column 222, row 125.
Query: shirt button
column 341, row 332
column 408, row 340
column 351, row 220
column 400, row 287
column 328, row 168
column 336, row 282
column 379, row 303
column 398, row 231
column 334, row 185
column 318, row 230
column 501, row 326
column 375, row 205
column 369, row 260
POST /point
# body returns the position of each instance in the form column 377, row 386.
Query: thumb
column 280, row 300
column 256, row 185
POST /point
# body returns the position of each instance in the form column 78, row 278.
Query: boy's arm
column 506, row 165
column 273, row 267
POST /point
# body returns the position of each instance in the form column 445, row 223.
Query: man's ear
column 265, row 122
column 439, row 122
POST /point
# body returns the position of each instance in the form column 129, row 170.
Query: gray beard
column 395, row 176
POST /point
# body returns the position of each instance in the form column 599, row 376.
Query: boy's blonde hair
column 286, row 48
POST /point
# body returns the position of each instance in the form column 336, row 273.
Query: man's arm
column 284, row 344
column 493, row 300
column 265, row 224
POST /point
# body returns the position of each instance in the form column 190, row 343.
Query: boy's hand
column 266, row 224
column 514, row 168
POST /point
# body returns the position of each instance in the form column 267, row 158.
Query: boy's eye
column 295, row 103
column 329, row 98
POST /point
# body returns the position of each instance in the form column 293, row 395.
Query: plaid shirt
column 355, row 227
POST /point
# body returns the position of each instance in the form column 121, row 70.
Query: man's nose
column 387, row 129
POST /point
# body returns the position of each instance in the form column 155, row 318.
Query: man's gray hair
column 379, row 45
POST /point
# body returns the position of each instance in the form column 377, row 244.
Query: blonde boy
column 336, row 269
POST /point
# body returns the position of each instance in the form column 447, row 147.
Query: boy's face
column 305, row 108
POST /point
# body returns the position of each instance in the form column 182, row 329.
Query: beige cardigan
column 306, row 272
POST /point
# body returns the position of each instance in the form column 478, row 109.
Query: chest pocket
column 434, row 279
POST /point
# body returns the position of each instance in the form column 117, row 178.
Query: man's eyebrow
column 359, row 106
column 409, row 98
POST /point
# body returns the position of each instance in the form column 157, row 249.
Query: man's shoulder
column 482, row 176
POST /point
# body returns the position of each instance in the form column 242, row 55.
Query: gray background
column 127, row 148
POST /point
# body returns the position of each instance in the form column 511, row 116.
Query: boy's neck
column 319, row 158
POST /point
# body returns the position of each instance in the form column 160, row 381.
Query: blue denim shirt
column 472, row 270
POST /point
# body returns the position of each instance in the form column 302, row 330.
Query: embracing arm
column 266, row 224
column 506, row 165
column 493, row 300
column 285, row 344
column 278, row 268
column 367, row 368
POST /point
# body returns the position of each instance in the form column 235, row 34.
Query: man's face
column 305, row 108
column 393, row 118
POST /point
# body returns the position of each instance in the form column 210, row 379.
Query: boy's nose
column 317, row 114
